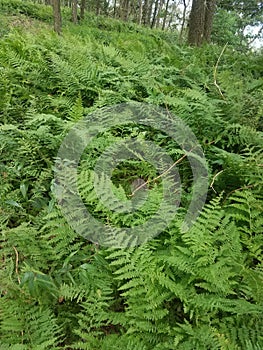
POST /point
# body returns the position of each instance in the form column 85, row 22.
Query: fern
column 199, row 289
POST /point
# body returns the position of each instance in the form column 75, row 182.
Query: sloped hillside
column 195, row 289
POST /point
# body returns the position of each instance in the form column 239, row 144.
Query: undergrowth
column 200, row 289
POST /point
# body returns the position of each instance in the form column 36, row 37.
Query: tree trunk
column 74, row 13
column 114, row 8
column 57, row 16
column 82, row 9
column 159, row 13
column 155, row 13
column 201, row 21
column 171, row 19
column 209, row 16
column 140, row 12
column 145, row 11
column 165, row 14
column 150, row 10
column 105, row 7
column 122, row 10
column 126, row 10
column 196, row 23
column 183, row 22
column 98, row 7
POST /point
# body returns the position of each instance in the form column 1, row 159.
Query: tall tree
column 82, row 8
column 209, row 17
column 74, row 9
column 183, row 21
column 114, row 8
column 125, row 10
column 159, row 14
column 140, row 10
column 201, row 21
column 150, row 11
column 196, row 22
column 155, row 11
column 57, row 16
column 145, row 12
column 165, row 14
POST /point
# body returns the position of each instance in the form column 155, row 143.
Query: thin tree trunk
column 171, row 19
column 97, row 7
column 133, row 13
column 159, row 13
column 155, row 13
column 183, row 23
column 126, row 10
column 140, row 12
column 82, row 9
column 74, row 13
column 165, row 14
column 114, row 8
column 121, row 9
column 106, row 5
column 145, row 11
column 57, row 16
column 150, row 10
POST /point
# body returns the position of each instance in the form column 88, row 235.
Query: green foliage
column 238, row 17
column 16, row 7
column 229, row 33
column 201, row 289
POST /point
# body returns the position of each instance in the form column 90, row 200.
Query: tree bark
column 74, row 13
column 57, row 16
column 165, row 14
column 126, row 10
column 155, row 13
column 145, row 12
column 201, row 21
column 183, row 22
column 98, row 8
column 209, row 16
column 114, row 8
column 150, row 10
column 82, row 9
column 196, row 23
column 140, row 12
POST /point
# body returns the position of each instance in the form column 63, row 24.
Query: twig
column 213, row 180
column 17, row 260
column 215, row 71
column 159, row 176
column 237, row 189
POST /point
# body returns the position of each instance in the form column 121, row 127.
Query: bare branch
column 16, row 269
column 215, row 71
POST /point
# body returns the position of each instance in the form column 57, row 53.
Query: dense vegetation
column 199, row 289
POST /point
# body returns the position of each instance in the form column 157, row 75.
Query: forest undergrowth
column 199, row 289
